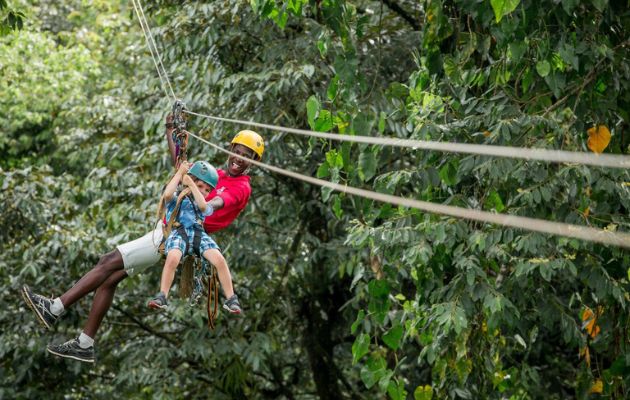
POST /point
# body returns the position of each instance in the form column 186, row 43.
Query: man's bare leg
column 102, row 301
column 48, row 310
column 106, row 267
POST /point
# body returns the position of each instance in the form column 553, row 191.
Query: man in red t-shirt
column 233, row 190
column 228, row 199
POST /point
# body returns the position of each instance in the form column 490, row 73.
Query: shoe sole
column 155, row 306
column 87, row 360
column 230, row 311
column 29, row 303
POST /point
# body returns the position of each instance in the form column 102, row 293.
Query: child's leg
column 215, row 258
column 168, row 273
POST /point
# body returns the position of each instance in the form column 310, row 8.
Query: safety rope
column 149, row 39
column 556, row 228
column 609, row 237
column 556, row 156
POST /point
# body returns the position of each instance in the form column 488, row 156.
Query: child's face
column 203, row 187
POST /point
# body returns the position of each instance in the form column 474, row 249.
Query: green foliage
column 10, row 19
column 343, row 297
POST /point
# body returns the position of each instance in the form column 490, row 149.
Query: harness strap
column 196, row 239
column 213, row 297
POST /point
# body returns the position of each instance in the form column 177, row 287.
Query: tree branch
column 402, row 14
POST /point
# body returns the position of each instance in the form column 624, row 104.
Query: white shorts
column 141, row 253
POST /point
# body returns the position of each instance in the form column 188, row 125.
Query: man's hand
column 187, row 181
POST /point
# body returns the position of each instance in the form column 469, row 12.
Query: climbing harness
column 180, row 138
column 195, row 269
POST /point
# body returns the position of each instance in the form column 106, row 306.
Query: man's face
column 237, row 166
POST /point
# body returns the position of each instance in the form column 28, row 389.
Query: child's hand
column 187, row 181
column 183, row 168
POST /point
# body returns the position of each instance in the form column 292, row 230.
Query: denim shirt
column 188, row 211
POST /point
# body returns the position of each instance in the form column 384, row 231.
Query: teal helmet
column 205, row 172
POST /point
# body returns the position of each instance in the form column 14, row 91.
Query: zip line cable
column 620, row 239
column 556, row 156
column 149, row 39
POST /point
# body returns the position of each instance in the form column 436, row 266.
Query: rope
column 212, row 304
column 556, row 156
column 620, row 239
column 149, row 39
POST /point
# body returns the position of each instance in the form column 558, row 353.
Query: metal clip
column 179, row 122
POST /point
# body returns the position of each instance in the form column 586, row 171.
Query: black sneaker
column 158, row 302
column 41, row 306
column 232, row 305
column 71, row 349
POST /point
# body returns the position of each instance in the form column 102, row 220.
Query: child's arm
column 201, row 202
column 169, row 190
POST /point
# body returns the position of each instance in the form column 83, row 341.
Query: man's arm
column 169, row 138
column 216, row 203
column 236, row 195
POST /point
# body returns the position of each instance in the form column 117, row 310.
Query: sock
column 85, row 341
column 56, row 307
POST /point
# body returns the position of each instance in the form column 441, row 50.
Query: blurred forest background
column 344, row 298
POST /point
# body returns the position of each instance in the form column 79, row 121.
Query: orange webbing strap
column 213, row 297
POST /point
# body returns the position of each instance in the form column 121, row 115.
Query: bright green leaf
column 396, row 390
column 323, row 171
column 503, row 7
column 393, row 336
column 367, row 165
column 373, row 371
column 312, row 109
column 543, row 68
column 423, row 393
column 360, row 347
column 324, row 121
column 357, row 321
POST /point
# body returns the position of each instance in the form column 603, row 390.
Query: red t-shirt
column 235, row 192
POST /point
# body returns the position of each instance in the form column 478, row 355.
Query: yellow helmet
column 251, row 140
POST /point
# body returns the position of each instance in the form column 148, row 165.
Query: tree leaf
column 543, row 68
column 598, row 387
column 359, row 320
column 367, row 165
column 323, row 171
column 448, row 173
column 324, row 121
column 312, row 109
column 393, row 336
column 373, row 371
column 598, row 138
column 396, row 390
column 494, row 201
column 423, row 393
column 360, row 347
column 381, row 122
column 503, row 7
